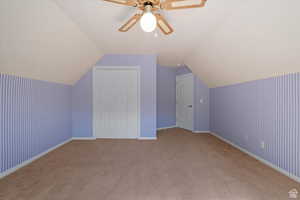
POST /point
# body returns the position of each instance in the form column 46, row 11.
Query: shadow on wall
column 183, row 70
column 166, row 98
column 201, row 101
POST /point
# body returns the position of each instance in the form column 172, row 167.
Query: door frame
column 115, row 68
column 189, row 75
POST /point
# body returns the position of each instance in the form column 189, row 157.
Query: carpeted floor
column 180, row 165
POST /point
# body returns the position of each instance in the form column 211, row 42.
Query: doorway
column 185, row 101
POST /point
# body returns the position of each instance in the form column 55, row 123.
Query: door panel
column 185, row 101
column 116, row 103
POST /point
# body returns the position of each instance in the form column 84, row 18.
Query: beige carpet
column 178, row 166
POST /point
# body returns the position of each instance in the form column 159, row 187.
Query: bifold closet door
column 116, row 103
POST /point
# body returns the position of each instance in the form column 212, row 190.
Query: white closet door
column 116, row 103
column 185, row 101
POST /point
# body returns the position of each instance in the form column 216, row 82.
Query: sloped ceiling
column 256, row 40
column 37, row 40
column 227, row 42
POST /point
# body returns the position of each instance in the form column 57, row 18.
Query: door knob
column 190, row 106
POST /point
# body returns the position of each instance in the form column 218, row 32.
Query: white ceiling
column 37, row 40
column 228, row 41
column 256, row 39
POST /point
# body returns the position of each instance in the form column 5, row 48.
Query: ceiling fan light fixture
column 149, row 15
column 148, row 21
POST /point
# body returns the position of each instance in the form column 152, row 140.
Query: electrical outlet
column 262, row 144
column 201, row 101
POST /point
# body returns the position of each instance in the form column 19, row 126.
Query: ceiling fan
column 149, row 16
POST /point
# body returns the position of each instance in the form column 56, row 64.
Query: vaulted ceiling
column 37, row 40
column 228, row 41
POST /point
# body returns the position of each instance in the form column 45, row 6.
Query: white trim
column 83, row 138
column 184, row 75
column 115, row 67
column 117, row 138
column 284, row 172
column 137, row 68
column 168, row 127
column 147, row 138
column 201, row 132
column 27, row 162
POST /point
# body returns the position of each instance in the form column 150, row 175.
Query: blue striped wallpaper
column 34, row 116
column 264, row 110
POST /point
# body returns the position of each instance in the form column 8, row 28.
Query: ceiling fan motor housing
column 148, row 6
column 148, row 3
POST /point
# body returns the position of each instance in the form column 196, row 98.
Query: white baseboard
column 93, row 138
column 147, row 138
column 201, row 132
column 23, row 164
column 83, row 138
column 27, row 162
column 163, row 128
column 284, row 172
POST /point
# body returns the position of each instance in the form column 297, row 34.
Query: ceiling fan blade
column 163, row 24
column 182, row 4
column 123, row 2
column 130, row 23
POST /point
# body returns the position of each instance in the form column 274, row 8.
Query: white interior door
column 116, row 102
column 185, row 101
